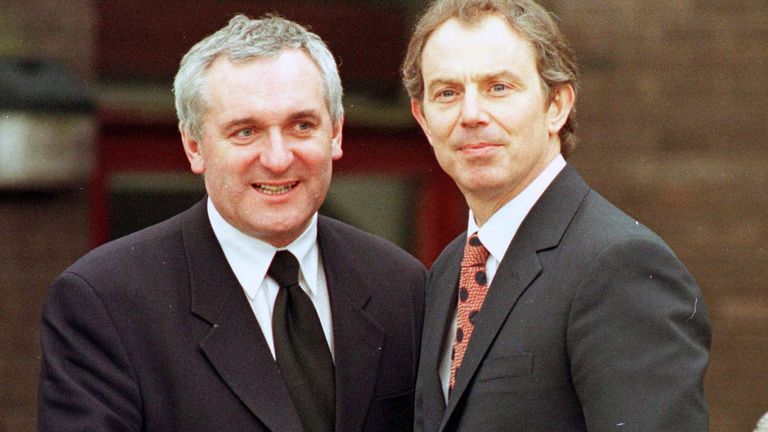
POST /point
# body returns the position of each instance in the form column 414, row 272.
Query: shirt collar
column 246, row 252
column 498, row 231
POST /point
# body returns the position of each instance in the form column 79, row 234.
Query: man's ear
column 336, row 152
column 561, row 103
column 192, row 148
column 419, row 116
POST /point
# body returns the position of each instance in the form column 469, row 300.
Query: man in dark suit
column 555, row 311
column 247, row 312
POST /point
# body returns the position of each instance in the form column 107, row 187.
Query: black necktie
column 301, row 350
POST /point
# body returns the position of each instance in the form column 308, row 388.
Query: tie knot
column 475, row 254
column 284, row 269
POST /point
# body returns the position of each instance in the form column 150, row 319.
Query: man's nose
column 473, row 112
column 277, row 155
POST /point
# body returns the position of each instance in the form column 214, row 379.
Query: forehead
column 487, row 46
column 282, row 81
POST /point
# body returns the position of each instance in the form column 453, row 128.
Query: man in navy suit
column 175, row 328
column 555, row 311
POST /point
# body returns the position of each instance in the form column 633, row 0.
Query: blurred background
column 673, row 129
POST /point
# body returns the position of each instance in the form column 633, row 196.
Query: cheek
column 229, row 175
column 440, row 122
column 316, row 155
column 218, row 170
column 237, row 161
column 447, row 160
column 315, row 167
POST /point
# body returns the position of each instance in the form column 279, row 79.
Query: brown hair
column 555, row 60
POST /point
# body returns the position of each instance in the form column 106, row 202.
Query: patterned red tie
column 473, row 286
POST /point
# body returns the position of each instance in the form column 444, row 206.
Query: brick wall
column 674, row 131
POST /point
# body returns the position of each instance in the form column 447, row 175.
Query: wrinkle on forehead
column 446, row 52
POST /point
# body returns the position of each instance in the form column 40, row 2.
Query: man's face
column 267, row 144
column 485, row 111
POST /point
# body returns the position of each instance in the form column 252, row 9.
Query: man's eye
column 303, row 126
column 245, row 133
column 446, row 94
column 499, row 88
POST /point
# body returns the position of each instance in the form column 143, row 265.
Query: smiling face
column 485, row 112
column 267, row 144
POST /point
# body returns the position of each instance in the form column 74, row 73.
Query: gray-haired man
column 249, row 311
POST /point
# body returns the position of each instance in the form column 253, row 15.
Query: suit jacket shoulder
column 377, row 301
column 142, row 248
column 366, row 248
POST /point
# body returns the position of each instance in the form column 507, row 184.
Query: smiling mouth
column 476, row 146
column 275, row 189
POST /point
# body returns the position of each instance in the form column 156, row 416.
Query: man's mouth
column 477, row 146
column 270, row 189
column 478, row 149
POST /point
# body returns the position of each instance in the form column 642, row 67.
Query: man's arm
column 638, row 340
column 86, row 380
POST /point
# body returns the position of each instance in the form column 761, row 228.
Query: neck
column 485, row 203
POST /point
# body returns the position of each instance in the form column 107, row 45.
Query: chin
column 282, row 227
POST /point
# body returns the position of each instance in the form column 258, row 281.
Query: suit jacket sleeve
column 638, row 339
column 87, row 382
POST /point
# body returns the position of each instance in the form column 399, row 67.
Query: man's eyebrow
column 432, row 84
column 486, row 76
column 250, row 120
column 506, row 74
column 440, row 81
column 310, row 113
column 239, row 122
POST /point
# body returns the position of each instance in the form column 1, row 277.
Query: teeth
column 275, row 189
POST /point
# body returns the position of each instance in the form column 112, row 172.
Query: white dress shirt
column 496, row 235
column 250, row 257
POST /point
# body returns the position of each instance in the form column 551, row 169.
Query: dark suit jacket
column 153, row 332
column 590, row 323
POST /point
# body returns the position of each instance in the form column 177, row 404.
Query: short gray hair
column 244, row 39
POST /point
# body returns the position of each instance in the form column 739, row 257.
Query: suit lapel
column 518, row 269
column 441, row 301
column 358, row 340
column 235, row 345
column 542, row 229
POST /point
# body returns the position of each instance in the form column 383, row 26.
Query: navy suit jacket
column 590, row 324
column 153, row 332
